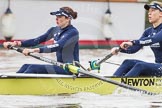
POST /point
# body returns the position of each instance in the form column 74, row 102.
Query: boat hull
column 68, row 85
column 52, row 86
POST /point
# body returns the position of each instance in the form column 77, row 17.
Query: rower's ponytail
column 69, row 10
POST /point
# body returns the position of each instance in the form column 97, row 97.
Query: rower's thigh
column 152, row 69
column 46, row 69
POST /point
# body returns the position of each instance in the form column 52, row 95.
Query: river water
column 11, row 61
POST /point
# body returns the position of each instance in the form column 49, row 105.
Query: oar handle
column 19, row 50
column 15, row 48
column 36, row 56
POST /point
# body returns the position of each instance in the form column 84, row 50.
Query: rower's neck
column 156, row 24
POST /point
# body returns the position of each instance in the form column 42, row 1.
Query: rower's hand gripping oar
column 95, row 65
column 76, row 70
column 37, row 57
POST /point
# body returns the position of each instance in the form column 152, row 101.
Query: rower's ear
column 160, row 13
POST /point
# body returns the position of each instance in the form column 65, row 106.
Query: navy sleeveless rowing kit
column 66, row 47
column 130, row 67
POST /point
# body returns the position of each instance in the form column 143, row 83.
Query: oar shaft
column 116, row 83
column 107, row 57
column 47, row 60
column 104, row 59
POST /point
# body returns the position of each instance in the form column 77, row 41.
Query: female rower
column 152, row 37
column 66, row 44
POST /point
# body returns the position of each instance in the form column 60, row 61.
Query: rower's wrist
column 17, row 43
column 133, row 42
column 36, row 50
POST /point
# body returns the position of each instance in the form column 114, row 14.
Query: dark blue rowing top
column 151, row 37
column 66, row 43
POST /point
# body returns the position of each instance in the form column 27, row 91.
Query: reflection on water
column 11, row 61
column 82, row 100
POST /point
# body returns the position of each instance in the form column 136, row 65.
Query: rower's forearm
column 36, row 50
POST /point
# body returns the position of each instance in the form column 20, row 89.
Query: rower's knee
column 127, row 61
column 36, row 69
column 141, row 66
column 23, row 68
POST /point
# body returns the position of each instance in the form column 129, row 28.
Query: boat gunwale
column 22, row 75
